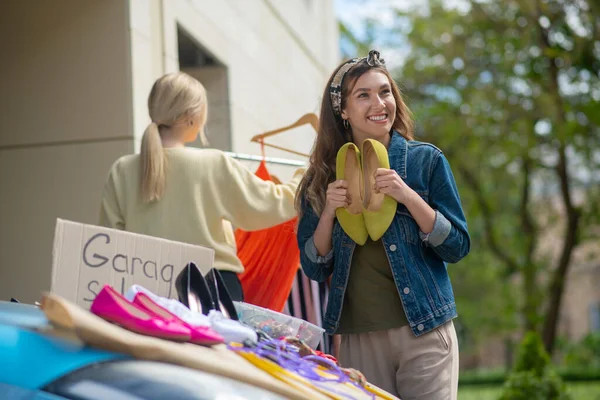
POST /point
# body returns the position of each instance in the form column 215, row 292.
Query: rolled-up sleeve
column 449, row 238
column 315, row 266
column 439, row 233
column 313, row 255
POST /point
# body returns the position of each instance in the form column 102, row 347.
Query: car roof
column 34, row 354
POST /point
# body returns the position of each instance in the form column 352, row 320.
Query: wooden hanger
column 309, row 118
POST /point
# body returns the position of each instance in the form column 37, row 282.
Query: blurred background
column 508, row 89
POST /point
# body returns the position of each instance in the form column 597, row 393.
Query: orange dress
column 271, row 259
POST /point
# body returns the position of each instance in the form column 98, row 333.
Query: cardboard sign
column 86, row 257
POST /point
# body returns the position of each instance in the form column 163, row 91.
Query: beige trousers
column 410, row 367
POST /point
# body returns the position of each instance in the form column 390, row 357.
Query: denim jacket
column 418, row 260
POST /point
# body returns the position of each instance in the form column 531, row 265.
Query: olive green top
column 371, row 302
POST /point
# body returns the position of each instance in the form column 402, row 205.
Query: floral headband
column 335, row 89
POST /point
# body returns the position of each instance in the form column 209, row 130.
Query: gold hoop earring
column 346, row 124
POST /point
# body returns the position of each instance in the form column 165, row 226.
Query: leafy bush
column 532, row 377
column 580, row 374
column 482, row 377
column 485, row 377
column 526, row 385
column 585, row 353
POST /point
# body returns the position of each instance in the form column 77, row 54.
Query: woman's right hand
column 335, row 197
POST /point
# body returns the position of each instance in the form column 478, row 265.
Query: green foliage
column 479, row 284
column 506, row 89
column 532, row 357
column 503, row 88
column 585, row 353
column 578, row 391
column 527, row 385
column 580, row 374
column 482, row 377
column 532, row 377
column 495, row 377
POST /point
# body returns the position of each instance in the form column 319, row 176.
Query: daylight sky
column 393, row 48
column 354, row 12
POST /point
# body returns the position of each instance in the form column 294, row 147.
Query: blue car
column 37, row 365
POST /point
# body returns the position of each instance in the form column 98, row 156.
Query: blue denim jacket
column 418, row 260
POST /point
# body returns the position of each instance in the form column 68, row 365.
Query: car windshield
column 147, row 380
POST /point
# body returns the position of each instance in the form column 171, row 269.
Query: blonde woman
column 187, row 194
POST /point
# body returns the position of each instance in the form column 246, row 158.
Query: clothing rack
column 308, row 301
column 270, row 160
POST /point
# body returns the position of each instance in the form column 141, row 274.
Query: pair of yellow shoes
column 369, row 213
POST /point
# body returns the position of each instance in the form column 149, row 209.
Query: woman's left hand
column 387, row 181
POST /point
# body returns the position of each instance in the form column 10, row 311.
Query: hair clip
column 374, row 58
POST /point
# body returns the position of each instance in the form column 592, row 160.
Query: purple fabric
column 286, row 355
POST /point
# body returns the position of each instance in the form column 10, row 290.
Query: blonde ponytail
column 174, row 98
column 153, row 165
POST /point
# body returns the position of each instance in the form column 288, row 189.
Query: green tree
column 510, row 91
column 476, row 288
column 532, row 377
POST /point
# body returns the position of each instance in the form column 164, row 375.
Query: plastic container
column 276, row 324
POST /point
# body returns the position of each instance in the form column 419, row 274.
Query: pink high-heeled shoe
column 203, row 335
column 113, row 307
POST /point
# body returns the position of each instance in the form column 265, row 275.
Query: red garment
column 271, row 258
column 327, row 356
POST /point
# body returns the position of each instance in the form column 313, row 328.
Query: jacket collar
column 397, row 153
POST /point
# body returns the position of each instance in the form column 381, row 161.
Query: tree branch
column 570, row 236
column 530, row 291
column 527, row 222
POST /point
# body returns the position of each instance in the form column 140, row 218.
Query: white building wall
column 75, row 80
column 278, row 55
column 65, row 115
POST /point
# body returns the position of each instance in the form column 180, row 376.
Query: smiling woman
column 371, row 107
column 338, row 129
column 391, row 298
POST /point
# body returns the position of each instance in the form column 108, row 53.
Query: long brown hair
column 332, row 135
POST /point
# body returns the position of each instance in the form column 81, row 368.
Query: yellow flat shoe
column 347, row 167
column 379, row 209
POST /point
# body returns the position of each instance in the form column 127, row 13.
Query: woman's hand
column 387, row 181
column 335, row 197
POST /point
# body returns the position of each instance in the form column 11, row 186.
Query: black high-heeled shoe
column 220, row 294
column 193, row 291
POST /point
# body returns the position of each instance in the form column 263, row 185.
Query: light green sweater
column 206, row 191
